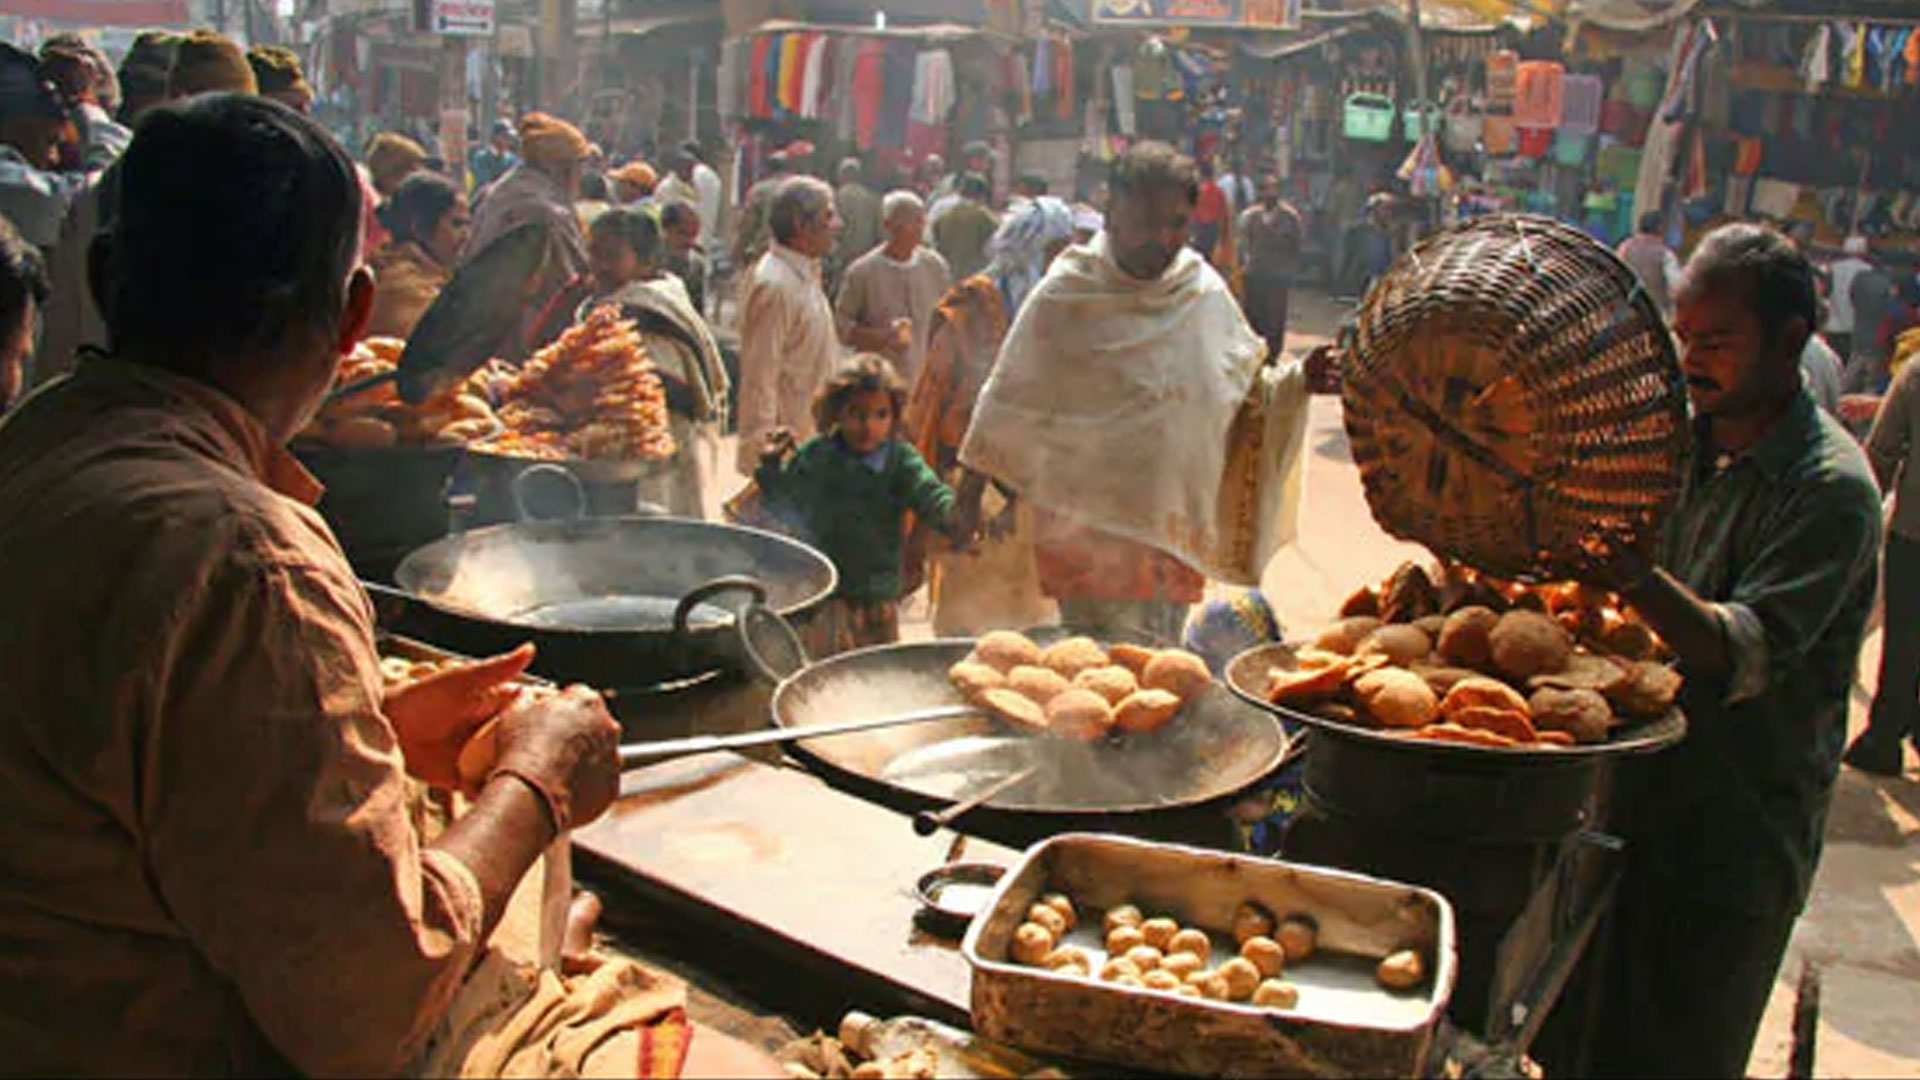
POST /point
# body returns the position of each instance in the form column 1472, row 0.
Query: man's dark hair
column 975, row 186
column 1033, row 183
column 593, row 187
column 633, row 228
column 799, row 200
column 1153, row 166
column 1772, row 275
column 237, row 224
column 417, row 206
column 674, row 213
column 691, row 149
column 23, row 278
column 1650, row 222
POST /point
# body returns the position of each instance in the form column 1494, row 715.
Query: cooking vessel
column 612, row 602
column 1216, row 747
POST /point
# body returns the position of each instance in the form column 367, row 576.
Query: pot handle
column 541, row 474
column 699, row 594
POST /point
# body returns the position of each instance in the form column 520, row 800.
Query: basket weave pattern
column 1511, row 393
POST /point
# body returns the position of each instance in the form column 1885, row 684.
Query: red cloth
column 758, row 103
column 867, row 79
column 1063, row 76
column 1212, row 207
column 1078, row 563
column 925, row 140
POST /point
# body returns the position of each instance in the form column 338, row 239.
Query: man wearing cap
column 633, row 182
column 542, row 187
column 491, row 162
column 276, row 69
column 34, row 195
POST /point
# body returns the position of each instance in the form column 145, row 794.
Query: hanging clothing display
column 1123, row 100
column 896, row 105
column 868, row 79
column 1814, row 69
column 932, row 86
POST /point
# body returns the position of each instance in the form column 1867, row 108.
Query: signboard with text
column 454, row 18
column 1259, row 14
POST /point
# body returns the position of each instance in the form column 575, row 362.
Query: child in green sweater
column 847, row 491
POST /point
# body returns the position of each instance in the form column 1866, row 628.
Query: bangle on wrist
column 557, row 813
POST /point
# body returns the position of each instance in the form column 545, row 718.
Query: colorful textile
column 896, row 100
column 759, row 76
column 932, row 86
column 868, row 91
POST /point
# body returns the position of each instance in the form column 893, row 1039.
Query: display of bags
column 1368, row 117
column 1570, row 148
column 1463, row 126
column 1502, row 72
column 1498, row 135
column 1580, row 109
column 1540, row 94
column 1418, row 118
column 1535, row 142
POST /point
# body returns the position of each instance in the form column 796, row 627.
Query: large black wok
column 1216, row 747
column 612, row 602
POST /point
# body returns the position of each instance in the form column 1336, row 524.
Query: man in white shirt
column 1852, row 263
column 706, row 190
column 787, row 339
column 889, row 294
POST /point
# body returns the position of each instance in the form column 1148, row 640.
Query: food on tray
column 1400, row 644
column 1346, row 635
column 1163, row 981
column 1366, row 601
column 1134, row 658
column 1582, row 714
column 1275, row 994
column 1648, row 690
column 478, row 755
column 377, row 417
column 1123, row 937
column 1299, row 936
column 1396, row 698
column 1408, row 595
column 1183, row 964
column 1135, row 981
column 1449, row 732
column 1178, row 672
column 1015, row 708
column 1067, row 956
column 592, row 393
column 1145, row 957
column 1187, row 989
column 1071, row 656
column 1466, row 637
column 1039, row 684
column 1506, row 723
column 1241, row 977
column 1004, row 650
column 1112, row 682
column 1192, row 941
column 1043, row 915
column 1145, row 711
column 1063, row 904
column 1159, row 931
column 1526, row 643
column 973, row 680
column 1118, row 968
column 1480, row 692
column 1403, row 970
column 1265, row 954
column 1444, row 679
column 1080, row 714
column 1251, row 920
column 1211, row 984
column 1122, row 915
column 1031, row 943
column 1584, row 671
column 1304, row 687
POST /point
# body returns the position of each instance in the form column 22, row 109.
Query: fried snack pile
column 1477, row 661
column 593, row 393
column 1076, row 688
column 377, row 417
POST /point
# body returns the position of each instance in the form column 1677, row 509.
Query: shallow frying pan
column 1217, row 746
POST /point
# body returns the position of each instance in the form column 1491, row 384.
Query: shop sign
column 1269, row 14
column 454, row 18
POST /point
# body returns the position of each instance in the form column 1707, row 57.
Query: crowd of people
column 1031, row 408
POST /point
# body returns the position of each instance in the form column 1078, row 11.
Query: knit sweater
column 836, row 501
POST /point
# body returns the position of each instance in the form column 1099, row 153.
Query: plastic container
column 1503, row 68
column 1368, row 117
column 1498, row 135
column 1581, row 97
column 1535, row 142
column 1570, row 148
column 1418, row 118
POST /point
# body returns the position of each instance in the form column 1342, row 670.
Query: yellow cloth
column 550, row 143
column 391, row 157
column 1905, row 348
column 205, row 62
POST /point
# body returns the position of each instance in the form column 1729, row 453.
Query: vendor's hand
column 1322, row 368
column 435, row 716
column 776, row 444
column 567, row 745
column 1612, row 561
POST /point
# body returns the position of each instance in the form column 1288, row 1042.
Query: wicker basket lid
column 1512, row 392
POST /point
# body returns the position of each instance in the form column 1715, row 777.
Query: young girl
column 847, row 491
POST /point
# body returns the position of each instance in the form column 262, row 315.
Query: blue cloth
column 1218, row 631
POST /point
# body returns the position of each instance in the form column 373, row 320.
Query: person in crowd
column 626, row 248
column 1269, row 237
column 680, row 226
column 276, row 69
column 1376, row 243
column 860, row 218
column 1028, row 187
column 930, row 178
column 1852, row 263
column 542, row 187
column 34, row 192
column 1876, row 302
column 709, row 192
column 677, row 185
column 1137, row 325
column 143, row 75
column 962, row 234
column 976, row 159
column 887, row 297
column 23, row 290
column 1087, row 223
column 596, row 197
column 496, row 157
column 1761, row 583
column 391, row 158
column 1655, row 265
column 750, row 237
column 1239, row 188
column 1894, row 721
column 847, row 491
column 1824, row 375
column 1210, row 215
column 428, row 222
column 633, row 183
column 788, row 344
column 997, row 585
column 84, row 79
column 1339, row 221
column 221, row 857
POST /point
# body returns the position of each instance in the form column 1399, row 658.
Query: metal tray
column 1345, row 1024
column 1246, row 676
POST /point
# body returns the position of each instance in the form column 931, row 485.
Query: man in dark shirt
column 1270, row 232
column 1764, row 582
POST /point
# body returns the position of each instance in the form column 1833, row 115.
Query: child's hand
column 776, row 444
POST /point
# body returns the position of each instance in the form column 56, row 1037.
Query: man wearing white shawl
column 1131, row 407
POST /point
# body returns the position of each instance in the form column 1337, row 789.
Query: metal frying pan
column 1218, row 745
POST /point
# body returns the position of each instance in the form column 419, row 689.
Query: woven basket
column 1512, row 393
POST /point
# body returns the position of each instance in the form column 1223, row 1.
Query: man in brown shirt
column 206, row 862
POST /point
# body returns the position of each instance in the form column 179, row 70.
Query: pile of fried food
column 377, row 417
column 593, row 393
column 1076, row 688
column 1472, row 660
column 1161, row 955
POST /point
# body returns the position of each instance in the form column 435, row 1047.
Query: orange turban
column 205, row 62
column 550, row 143
column 391, row 157
column 639, row 174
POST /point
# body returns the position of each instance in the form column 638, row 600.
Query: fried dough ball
column 1298, row 936
column 1183, row 964
column 1403, row 970
column 1015, row 708
column 1080, row 714
column 1163, row 981
column 1482, row 692
column 1005, row 650
column 1307, row 686
column 1346, row 635
column 1241, row 978
column 1112, row 682
column 1443, row 679
column 1466, row 638
column 1045, row 916
column 1647, row 691
column 1117, row 968
column 1250, row 920
column 1031, row 944
column 1527, row 643
column 1187, row 989
column 1134, row 981
column 1159, row 931
column 1063, row 904
column 1122, row 938
column 1409, row 595
column 1145, row 957
column 1275, row 994
column 1067, row 956
column 1211, row 984
column 1145, row 711
column 1265, row 954
column 1071, row 656
column 1431, row 626
column 1037, row 684
column 1134, row 658
column 1191, row 941
column 1583, row 714
column 1178, row 672
column 1397, row 698
column 1365, row 602
column 974, row 680
column 1585, row 671
column 1630, row 640
column 1122, row 915
column 1400, row 644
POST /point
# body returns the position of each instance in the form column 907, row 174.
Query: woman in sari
column 625, row 249
column 996, row 585
column 427, row 222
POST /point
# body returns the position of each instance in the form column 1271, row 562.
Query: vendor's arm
column 1888, row 444
column 273, row 819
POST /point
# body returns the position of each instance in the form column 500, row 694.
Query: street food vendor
column 542, row 187
column 207, row 863
column 1762, row 584
column 427, row 222
column 1112, row 408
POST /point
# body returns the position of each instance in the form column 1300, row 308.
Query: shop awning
column 641, row 26
column 141, row 13
column 1472, row 16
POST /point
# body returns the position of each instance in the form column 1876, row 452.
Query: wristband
column 557, row 809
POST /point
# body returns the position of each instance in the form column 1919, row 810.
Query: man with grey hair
column 860, row 211
column 887, row 298
column 787, row 340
